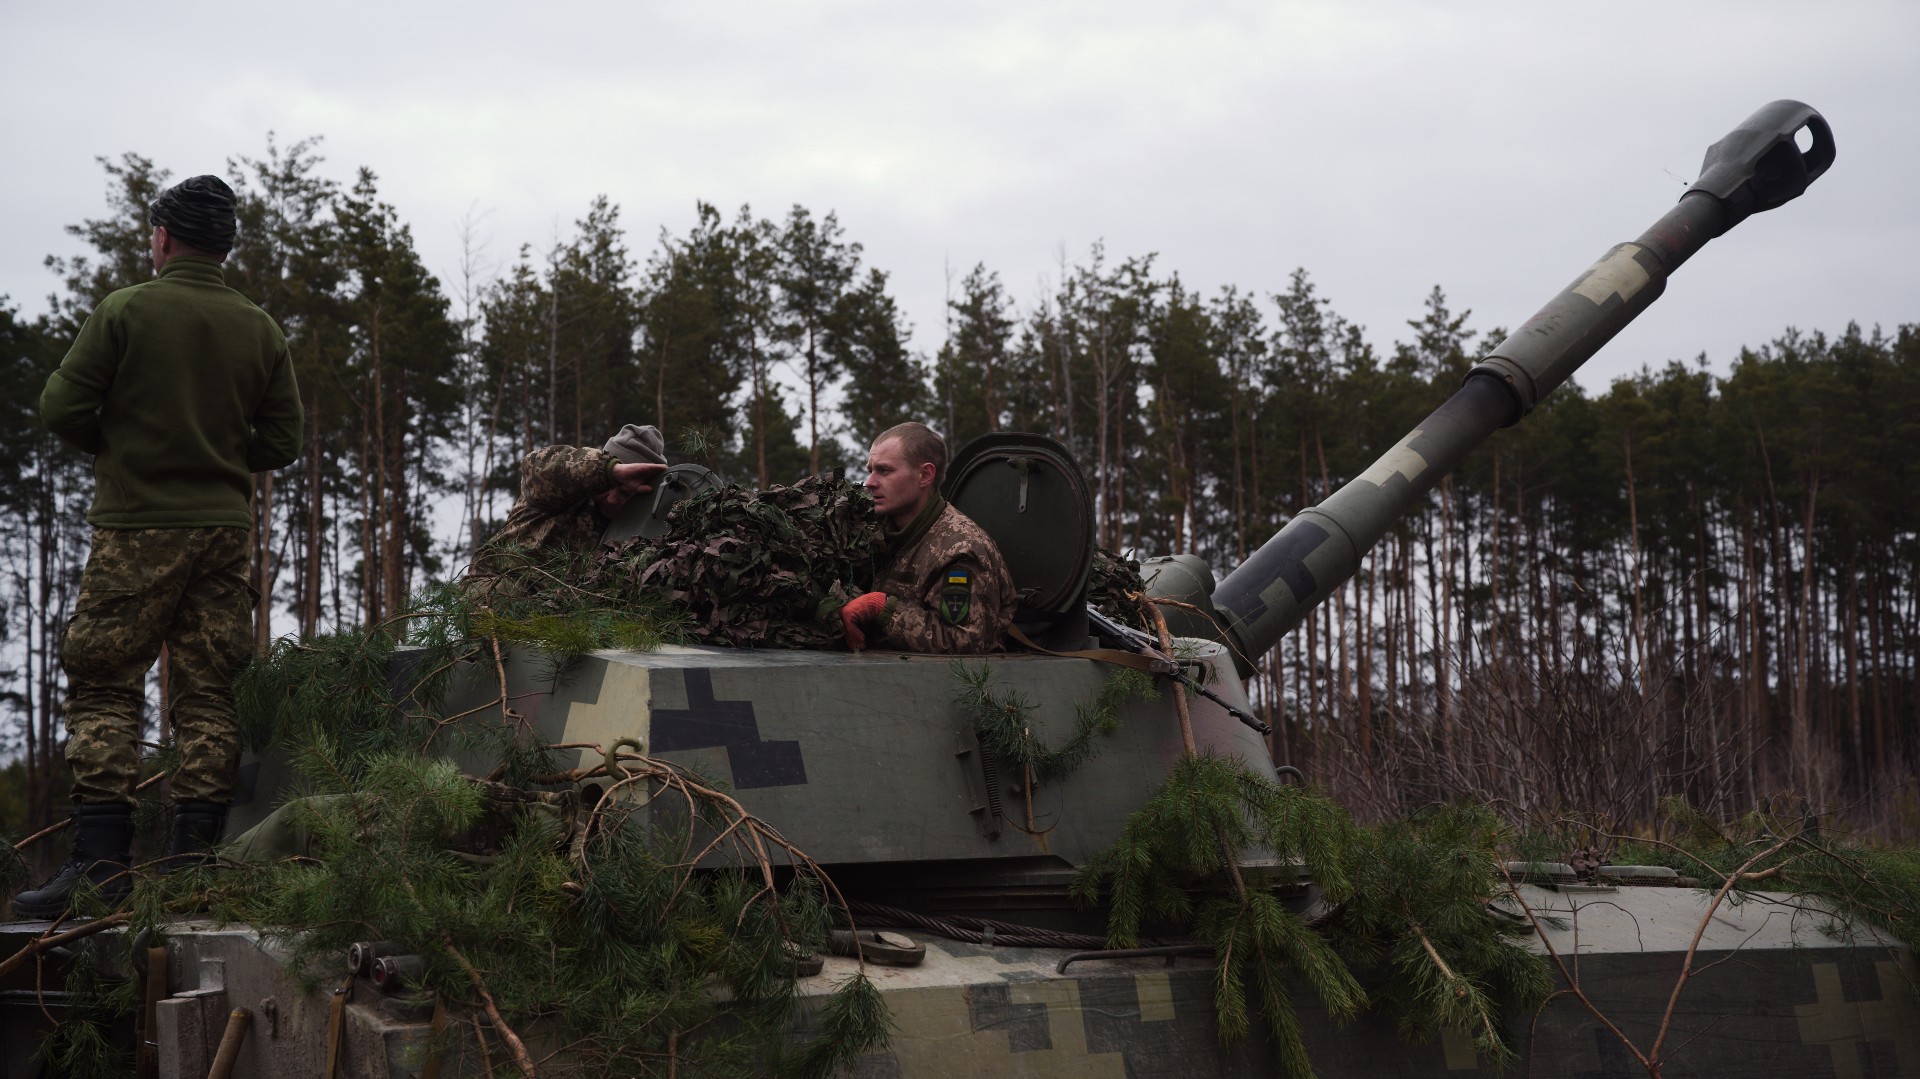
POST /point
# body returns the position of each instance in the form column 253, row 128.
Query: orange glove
column 864, row 608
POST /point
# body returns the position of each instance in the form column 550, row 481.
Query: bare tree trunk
column 759, row 416
column 311, row 590
column 660, row 386
column 1437, row 655
column 1446, row 659
column 261, row 568
column 1849, row 639
column 1311, row 673
column 1876, row 660
column 1239, row 501
column 369, row 530
column 1364, row 656
column 1802, row 708
column 813, row 406
column 1393, row 623
column 1758, row 721
column 553, row 343
column 1495, row 569
column 1109, row 531
column 1119, row 487
column 1640, row 656
column 483, row 506
column 378, row 556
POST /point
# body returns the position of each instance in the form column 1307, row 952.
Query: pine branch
column 518, row 1047
column 54, row 940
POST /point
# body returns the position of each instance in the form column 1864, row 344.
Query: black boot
column 196, row 828
column 102, row 853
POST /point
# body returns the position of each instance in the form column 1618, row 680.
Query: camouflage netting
column 750, row 569
column 757, row 568
column 1116, row 589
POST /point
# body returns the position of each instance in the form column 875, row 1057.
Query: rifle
column 1133, row 640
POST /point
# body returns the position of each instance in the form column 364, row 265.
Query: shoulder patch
column 956, row 594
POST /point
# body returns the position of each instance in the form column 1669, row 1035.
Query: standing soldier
column 180, row 389
column 947, row 589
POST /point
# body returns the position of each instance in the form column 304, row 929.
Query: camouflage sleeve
column 961, row 610
column 556, row 478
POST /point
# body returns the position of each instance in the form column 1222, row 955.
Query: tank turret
column 1756, row 167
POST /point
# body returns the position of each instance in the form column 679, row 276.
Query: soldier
column 180, row 389
column 568, row 494
column 947, row 589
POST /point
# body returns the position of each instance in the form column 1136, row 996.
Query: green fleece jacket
column 181, row 389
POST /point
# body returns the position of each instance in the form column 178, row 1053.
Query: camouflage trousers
column 185, row 588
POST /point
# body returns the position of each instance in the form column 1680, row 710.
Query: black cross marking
column 706, row 723
column 1291, row 566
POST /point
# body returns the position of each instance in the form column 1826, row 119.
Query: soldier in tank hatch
column 947, row 588
column 568, row 494
column 180, row 389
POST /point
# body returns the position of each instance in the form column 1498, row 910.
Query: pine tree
column 886, row 384
column 399, row 379
column 815, row 268
column 285, row 262
column 971, row 367
column 594, row 313
column 44, row 487
column 691, row 317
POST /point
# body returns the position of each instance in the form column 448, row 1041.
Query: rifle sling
column 1116, row 656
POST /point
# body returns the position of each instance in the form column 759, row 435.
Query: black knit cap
column 198, row 212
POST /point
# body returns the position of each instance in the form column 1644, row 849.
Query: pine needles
column 1409, row 897
column 82, row 1046
column 1196, row 829
column 1788, row 851
column 1002, row 719
column 587, row 935
column 1421, row 894
column 592, row 937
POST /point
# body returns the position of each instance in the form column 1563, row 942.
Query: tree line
column 1690, row 583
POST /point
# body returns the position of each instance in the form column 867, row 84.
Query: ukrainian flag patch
column 956, row 595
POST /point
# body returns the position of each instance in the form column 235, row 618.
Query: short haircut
column 921, row 445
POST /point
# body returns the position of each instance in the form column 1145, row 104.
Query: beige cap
column 638, row 445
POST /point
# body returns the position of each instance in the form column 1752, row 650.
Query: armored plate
column 1781, row 989
column 860, row 759
column 1778, row 991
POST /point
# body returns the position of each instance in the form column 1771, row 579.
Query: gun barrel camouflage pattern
column 1756, row 167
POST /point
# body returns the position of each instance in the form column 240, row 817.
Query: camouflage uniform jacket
column 557, row 485
column 949, row 588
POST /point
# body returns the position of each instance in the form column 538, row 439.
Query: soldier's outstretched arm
column 556, row 477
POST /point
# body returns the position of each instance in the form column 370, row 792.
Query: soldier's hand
column 865, row 608
column 636, row 478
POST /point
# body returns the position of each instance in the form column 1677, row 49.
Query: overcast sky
column 1493, row 149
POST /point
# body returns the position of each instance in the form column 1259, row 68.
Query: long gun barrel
column 1757, row 167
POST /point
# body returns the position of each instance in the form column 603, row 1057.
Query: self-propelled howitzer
column 1757, row 167
column 871, row 762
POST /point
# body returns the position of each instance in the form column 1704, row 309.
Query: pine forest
column 1685, row 584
